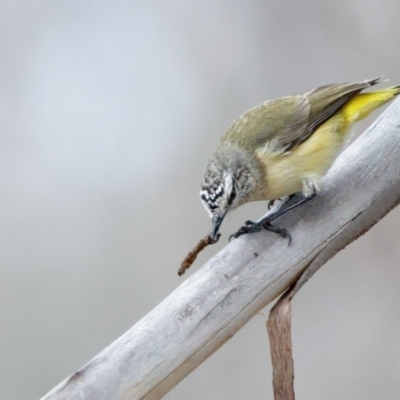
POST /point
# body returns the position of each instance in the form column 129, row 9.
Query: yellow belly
column 311, row 160
column 286, row 172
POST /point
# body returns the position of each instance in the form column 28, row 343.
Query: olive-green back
column 289, row 121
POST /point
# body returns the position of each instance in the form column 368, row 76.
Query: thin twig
column 191, row 257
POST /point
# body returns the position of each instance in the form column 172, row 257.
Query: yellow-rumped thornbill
column 282, row 147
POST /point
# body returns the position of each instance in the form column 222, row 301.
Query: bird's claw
column 283, row 232
column 249, row 223
column 251, row 227
column 242, row 231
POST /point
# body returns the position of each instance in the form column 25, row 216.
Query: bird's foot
column 265, row 223
column 251, row 227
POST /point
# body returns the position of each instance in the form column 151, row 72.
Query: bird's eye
column 232, row 196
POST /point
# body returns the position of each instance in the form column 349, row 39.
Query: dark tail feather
column 374, row 81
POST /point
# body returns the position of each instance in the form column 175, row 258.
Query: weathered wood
column 218, row 299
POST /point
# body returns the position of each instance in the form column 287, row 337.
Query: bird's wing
column 280, row 120
column 289, row 121
column 325, row 101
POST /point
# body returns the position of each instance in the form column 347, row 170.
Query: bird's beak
column 217, row 221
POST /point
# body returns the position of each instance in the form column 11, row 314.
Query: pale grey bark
column 218, row 299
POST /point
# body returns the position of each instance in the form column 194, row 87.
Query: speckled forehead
column 212, row 193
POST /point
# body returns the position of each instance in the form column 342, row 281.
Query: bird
column 284, row 147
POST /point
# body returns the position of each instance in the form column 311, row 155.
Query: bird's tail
column 364, row 103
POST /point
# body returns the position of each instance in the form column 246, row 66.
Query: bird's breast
column 286, row 171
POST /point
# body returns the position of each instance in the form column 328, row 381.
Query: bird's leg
column 273, row 206
column 277, row 204
column 265, row 223
column 284, row 210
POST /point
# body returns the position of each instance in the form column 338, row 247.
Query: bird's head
column 229, row 181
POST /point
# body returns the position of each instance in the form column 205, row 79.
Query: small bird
column 282, row 147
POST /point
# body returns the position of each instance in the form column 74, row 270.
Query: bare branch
column 280, row 339
column 216, row 301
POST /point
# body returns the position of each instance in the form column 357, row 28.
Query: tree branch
column 280, row 338
column 215, row 302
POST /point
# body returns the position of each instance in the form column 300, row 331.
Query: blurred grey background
column 108, row 113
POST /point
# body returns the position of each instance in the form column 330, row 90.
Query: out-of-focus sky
column 108, row 113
